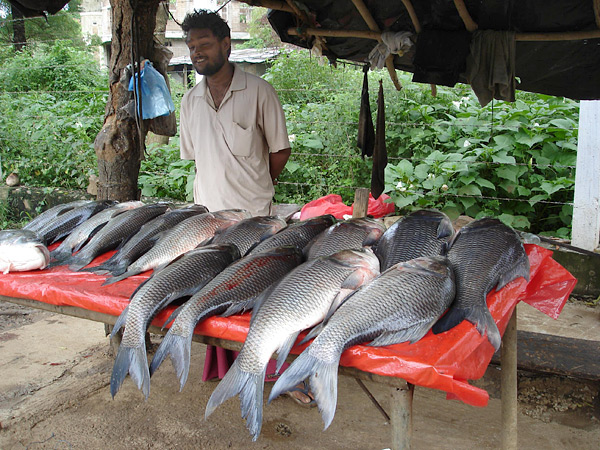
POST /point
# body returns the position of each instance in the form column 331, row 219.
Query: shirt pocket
column 246, row 141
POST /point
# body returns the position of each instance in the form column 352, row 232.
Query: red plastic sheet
column 443, row 361
column 332, row 204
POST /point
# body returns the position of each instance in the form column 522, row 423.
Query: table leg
column 401, row 416
column 508, row 364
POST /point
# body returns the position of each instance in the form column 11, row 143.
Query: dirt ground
column 54, row 394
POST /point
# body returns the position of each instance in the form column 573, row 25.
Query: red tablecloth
column 443, row 361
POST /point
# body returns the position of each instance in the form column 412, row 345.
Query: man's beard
column 211, row 69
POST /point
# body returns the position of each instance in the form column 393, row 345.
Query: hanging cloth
column 366, row 133
column 380, row 159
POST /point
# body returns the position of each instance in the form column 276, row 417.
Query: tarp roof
column 557, row 41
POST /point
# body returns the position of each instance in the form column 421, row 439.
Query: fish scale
column 248, row 232
column 399, row 305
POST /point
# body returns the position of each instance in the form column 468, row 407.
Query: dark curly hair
column 203, row 19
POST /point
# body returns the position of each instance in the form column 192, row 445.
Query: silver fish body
column 298, row 234
column 80, row 235
column 485, row 254
column 65, row 223
column 399, row 305
column 117, row 230
column 298, row 301
column 184, row 236
column 421, row 233
column 350, row 234
column 144, row 239
column 249, row 232
column 42, row 219
column 183, row 277
column 232, row 291
column 22, row 250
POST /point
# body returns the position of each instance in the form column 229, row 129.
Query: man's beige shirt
column 231, row 145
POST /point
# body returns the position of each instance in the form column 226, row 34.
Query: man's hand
column 277, row 162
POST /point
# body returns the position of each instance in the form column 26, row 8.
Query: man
column 232, row 124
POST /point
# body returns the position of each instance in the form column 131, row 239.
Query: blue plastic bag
column 156, row 98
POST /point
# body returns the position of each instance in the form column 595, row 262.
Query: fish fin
column 520, row 270
column 284, row 350
column 313, row 333
column 323, row 382
column 118, row 278
column 445, row 228
column 250, row 387
column 178, row 348
column 239, row 307
column 133, row 361
column 479, row 316
column 120, row 322
column 79, row 263
column 173, row 315
column 412, row 334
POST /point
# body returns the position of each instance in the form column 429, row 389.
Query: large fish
column 22, row 250
column 183, row 237
column 421, row 233
column 144, row 239
column 230, row 292
column 298, row 234
column 65, row 223
column 117, row 230
column 298, row 301
column 399, row 305
column 80, row 235
column 352, row 233
column 485, row 254
column 39, row 221
column 183, row 277
column 249, row 232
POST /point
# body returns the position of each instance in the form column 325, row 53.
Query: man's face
column 208, row 54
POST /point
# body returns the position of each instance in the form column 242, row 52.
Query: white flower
column 444, row 187
column 400, row 186
column 466, row 143
column 292, row 137
column 457, row 104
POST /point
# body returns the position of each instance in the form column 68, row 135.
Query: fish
column 39, row 221
column 380, row 158
column 298, row 234
column 232, row 291
column 80, row 235
column 420, row 233
column 249, row 232
column 399, row 305
column 184, row 236
column 299, row 300
column 117, row 230
column 22, row 250
column 63, row 224
column 183, row 277
column 352, row 233
column 144, row 239
column 485, row 254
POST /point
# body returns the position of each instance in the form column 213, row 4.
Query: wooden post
column 508, row 363
column 361, row 203
column 401, row 416
column 586, row 210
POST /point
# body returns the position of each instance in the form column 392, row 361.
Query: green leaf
column 504, row 141
column 562, row 123
column 503, row 158
column 537, row 198
column 509, row 173
column 530, row 141
column 485, row 183
column 292, row 166
column 469, row 189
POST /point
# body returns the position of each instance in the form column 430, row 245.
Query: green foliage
column 261, row 33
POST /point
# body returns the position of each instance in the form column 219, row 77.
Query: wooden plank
column 586, row 209
column 361, row 203
column 557, row 355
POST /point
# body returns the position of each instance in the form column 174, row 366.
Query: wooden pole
column 361, row 203
column 364, row 34
column 586, row 209
column 463, row 12
column 508, row 363
column 413, row 15
column 401, row 416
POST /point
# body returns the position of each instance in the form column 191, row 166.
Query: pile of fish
column 346, row 283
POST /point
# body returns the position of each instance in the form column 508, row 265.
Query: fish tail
column 250, row 386
column 131, row 360
column 76, row 264
column 178, row 348
column 118, row 278
column 479, row 316
column 120, row 322
column 323, row 383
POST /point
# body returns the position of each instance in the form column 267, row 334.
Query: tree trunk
column 119, row 146
column 19, row 38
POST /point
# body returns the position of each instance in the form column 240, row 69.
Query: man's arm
column 277, row 162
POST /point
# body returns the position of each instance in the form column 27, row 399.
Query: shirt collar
column 238, row 82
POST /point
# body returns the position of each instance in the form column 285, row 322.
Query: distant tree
column 261, row 33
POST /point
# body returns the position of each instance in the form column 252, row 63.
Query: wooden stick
column 463, row 12
column 361, row 203
column 597, row 12
column 368, row 18
column 413, row 15
column 361, row 34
